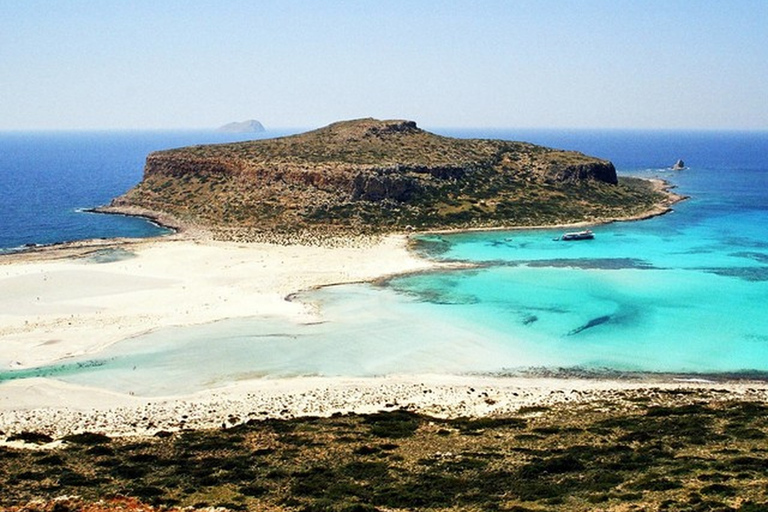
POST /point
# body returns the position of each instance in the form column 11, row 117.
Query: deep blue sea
column 48, row 179
column 686, row 292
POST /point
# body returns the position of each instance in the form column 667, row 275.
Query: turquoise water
column 366, row 331
column 686, row 292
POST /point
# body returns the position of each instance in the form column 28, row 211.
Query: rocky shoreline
column 334, row 238
column 434, row 395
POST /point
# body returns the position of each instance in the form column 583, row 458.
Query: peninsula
column 368, row 176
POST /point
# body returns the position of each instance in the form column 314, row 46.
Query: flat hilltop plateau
column 369, row 176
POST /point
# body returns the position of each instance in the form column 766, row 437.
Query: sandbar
column 77, row 299
column 54, row 307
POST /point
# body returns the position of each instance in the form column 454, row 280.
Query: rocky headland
column 370, row 176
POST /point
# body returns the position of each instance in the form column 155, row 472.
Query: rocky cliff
column 369, row 175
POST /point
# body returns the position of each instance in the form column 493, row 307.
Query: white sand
column 58, row 409
column 54, row 307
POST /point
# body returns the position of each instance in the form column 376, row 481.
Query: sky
column 166, row 64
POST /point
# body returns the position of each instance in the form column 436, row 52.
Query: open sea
column 684, row 293
column 49, row 179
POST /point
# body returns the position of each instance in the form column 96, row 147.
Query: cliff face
column 370, row 175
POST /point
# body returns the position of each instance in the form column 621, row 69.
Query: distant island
column 370, row 176
column 250, row 126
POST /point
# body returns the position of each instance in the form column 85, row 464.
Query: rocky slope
column 655, row 449
column 371, row 176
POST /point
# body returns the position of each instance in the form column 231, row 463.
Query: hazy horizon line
column 298, row 129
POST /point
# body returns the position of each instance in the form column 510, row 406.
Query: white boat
column 578, row 235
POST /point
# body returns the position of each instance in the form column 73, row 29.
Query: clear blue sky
column 78, row 64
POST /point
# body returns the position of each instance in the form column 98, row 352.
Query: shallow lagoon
column 686, row 292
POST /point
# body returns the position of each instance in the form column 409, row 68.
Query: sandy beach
column 70, row 301
column 57, row 409
column 77, row 299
